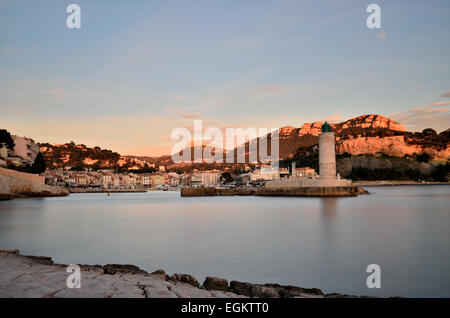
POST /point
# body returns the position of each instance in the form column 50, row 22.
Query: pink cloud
column 431, row 116
column 446, row 94
column 334, row 118
column 439, row 103
column 150, row 151
column 189, row 116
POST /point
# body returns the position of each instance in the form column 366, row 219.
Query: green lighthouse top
column 326, row 127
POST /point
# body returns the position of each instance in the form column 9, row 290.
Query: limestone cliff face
column 366, row 121
column 311, row 128
column 286, row 131
column 370, row 121
column 367, row 134
column 392, row 146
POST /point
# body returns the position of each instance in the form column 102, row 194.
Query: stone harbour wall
column 345, row 191
column 22, row 175
column 337, row 191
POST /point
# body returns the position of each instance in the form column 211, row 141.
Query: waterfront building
column 25, row 148
column 174, row 179
column 106, row 180
column 303, row 172
column 80, row 180
column 3, row 152
column 157, row 178
column 146, row 181
column 205, row 178
column 265, row 174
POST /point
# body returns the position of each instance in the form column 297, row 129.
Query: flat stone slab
column 39, row 277
column 21, row 276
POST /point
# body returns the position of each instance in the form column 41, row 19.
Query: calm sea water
column 309, row 242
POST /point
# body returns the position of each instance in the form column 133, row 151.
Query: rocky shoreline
column 40, row 277
column 12, row 187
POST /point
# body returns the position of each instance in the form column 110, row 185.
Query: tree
column 39, row 165
column 95, row 167
column 78, row 167
column 5, row 138
column 429, row 132
column 423, row 157
column 226, row 177
column 442, row 173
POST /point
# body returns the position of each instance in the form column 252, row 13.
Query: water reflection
column 328, row 225
column 311, row 242
column 329, row 207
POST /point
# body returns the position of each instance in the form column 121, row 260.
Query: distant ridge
column 366, row 134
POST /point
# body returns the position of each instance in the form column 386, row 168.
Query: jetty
column 344, row 191
column 327, row 184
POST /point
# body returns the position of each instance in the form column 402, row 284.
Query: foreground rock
column 27, row 276
column 38, row 276
column 12, row 187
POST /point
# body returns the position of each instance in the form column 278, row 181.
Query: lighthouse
column 328, row 183
column 327, row 153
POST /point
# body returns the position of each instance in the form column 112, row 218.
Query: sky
column 136, row 70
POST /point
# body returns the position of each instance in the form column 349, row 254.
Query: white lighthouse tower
column 328, row 183
column 327, row 153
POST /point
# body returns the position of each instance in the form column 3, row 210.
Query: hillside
column 367, row 134
column 72, row 155
column 363, row 135
column 80, row 156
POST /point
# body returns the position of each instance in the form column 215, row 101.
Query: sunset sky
column 136, row 70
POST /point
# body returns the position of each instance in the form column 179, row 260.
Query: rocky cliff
column 368, row 134
column 11, row 187
column 395, row 146
column 372, row 121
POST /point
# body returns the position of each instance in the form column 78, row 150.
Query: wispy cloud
column 439, row 104
column 57, row 94
column 149, row 151
column 446, row 94
column 268, row 90
column 430, row 116
column 334, row 118
column 189, row 116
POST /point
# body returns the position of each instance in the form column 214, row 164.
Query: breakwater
column 347, row 191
